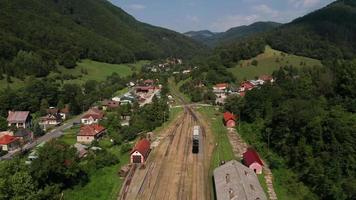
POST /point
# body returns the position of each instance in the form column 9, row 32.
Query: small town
column 177, row 100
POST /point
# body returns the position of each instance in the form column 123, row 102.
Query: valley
column 98, row 104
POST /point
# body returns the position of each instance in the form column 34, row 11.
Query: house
column 144, row 89
column 140, row 152
column 235, row 181
column 65, row 112
column 246, row 86
column 24, row 135
column 19, row 119
column 220, row 88
column 89, row 133
column 252, row 160
column 266, row 78
column 110, row 104
column 9, row 143
column 148, row 82
column 93, row 115
column 229, row 120
column 50, row 120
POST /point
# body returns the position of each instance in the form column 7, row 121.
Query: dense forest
column 308, row 117
column 38, row 35
column 326, row 34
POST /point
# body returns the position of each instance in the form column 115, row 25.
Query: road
column 54, row 133
column 172, row 170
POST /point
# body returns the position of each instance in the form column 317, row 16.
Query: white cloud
column 229, row 21
column 192, row 18
column 265, row 10
column 136, row 7
column 304, row 3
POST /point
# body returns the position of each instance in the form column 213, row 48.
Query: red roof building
column 229, row 120
column 88, row 133
column 140, row 152
column 253, row 160
column 245, row 86
column 9, row 143
column 145, row 89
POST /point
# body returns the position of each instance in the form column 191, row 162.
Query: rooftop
column 251, row 156
column 17, row 116
column 142, row 146
column 7, row 139
column 235, row 181
column 91, row 130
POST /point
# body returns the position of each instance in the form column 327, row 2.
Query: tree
column 22, row 185
column 57, row 163
column 3, row 124
column 44, row 106
column 37, row 129
column 254, row 62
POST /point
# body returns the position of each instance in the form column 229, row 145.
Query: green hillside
column 35, row 36
column 324, row 34
column 268, row 62
column 86, row 70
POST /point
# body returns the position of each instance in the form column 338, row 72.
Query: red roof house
column 88, row 133
column 145, row 89
column 92, row 116
column 229, row 119
column 140, row 152
column 9, row 143
column 245, row 86
column 253, row 161
column 19, row 119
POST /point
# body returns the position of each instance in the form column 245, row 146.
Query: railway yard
column 172, row 171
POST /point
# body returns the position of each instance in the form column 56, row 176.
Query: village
column 231, row 179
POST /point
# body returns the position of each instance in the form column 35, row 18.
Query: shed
column 9, row 143
column 140, row 152
column 253, row 161
column 229, row 120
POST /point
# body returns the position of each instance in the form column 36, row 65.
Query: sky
column 216, row 15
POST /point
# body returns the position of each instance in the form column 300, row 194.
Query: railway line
column 172, row 171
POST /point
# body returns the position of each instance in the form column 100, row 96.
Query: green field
column 85, row 70
column 70, row 136
column 92, row 70
column 268, row 62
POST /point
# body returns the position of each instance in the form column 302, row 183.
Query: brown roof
column 110, row 103
column 17, row 116
column 94, row 113
column 91, row 130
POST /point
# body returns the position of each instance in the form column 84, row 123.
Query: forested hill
column 328, row 32
column 233, row 34
column 50, row 31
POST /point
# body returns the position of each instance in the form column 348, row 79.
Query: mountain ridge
column 232, row 34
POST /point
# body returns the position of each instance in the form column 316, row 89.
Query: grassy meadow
column 85, row 70
column 268, row 62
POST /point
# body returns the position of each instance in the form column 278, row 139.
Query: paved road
column 54, row 133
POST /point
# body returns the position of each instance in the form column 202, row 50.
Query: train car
column 196, row 138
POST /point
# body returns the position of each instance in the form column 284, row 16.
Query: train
column 196, row 138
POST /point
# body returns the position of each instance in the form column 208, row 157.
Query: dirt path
column 172, row 170
column 239, row 146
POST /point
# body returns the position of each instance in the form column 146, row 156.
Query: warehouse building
column 234, row 181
